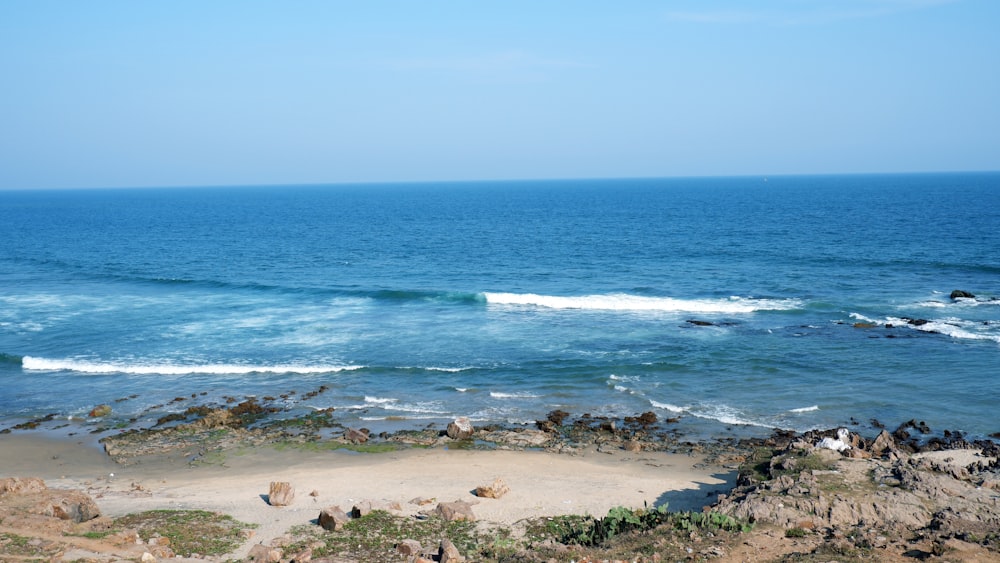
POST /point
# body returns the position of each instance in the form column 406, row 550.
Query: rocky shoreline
column 899, row 495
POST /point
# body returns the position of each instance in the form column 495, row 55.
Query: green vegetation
column 796, row 532
column 620, row 520
column 189, row 531
column 374, row 537
column 24, row 549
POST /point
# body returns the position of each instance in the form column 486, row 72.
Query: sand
column 541, row 483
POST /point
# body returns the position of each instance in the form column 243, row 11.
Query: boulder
column 409, row 548
column 100, row 410
column 281, row 494
column 457, row 510
column 448, row 553
column 883, row 444
column 355, row 436
column 75, row 506
column 495, row 490
column 333, row 518
column 460, row 429
column 959, row 294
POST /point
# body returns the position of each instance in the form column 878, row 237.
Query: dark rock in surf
column 959, row 294
column 696, row 322
column 460, row 429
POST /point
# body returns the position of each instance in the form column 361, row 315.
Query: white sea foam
column 420, row 408
column 805, row 409
column 461, row 389
column 955, row 328
column 719, row 413
column 379, row 400
column 667, row 406
column 82, row 366
column 520, row 395
column 626, row 302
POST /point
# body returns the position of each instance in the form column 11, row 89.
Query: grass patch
column 374, row 537
column 24, row 548
column 189, row 531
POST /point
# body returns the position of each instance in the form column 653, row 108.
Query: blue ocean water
column 505, row 300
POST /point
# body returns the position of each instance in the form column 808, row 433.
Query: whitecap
column 520, row 395
column 83, row 366
column 627, row 302
column 805, row 409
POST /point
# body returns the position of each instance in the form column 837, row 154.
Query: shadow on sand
column 697, row 498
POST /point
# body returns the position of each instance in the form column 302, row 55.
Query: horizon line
column 497, row 180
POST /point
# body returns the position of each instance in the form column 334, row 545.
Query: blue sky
column 182, row 93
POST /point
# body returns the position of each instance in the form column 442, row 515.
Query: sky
column 190, row 93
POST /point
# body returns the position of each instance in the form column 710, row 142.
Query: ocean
column 738, row 305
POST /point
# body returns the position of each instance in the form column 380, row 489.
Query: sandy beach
column 541, row 483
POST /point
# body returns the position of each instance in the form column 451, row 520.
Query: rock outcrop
column 882, row 489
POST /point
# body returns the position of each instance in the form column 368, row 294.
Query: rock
column 696, row 322
column 356, row 436
column 333, row 518
column 148, row 557
column 281, row 494
column 457, row 510
column 261, row 553
column 75, row 506
column 633, row 446
column 100, row 410
column 959, row 294
column 18, row 485
column 365, row 507
column 409, row 547
column 460, row 429
column 496, row 490
column 883, row 444
column 448, row 553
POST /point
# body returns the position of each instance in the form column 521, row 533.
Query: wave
column 951, row 326
column 81, row 366
column 11, row 359
column 955, row 328
column 628, row 302
column 719, row 413
column 805, row 409
column 521, row 395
